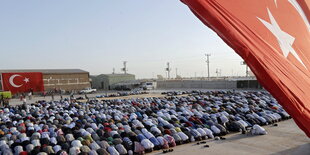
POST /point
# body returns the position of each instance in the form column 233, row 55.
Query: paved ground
column 285, row 139
column 57, row 97
column 152, row 93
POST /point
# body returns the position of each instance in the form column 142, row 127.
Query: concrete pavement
column 285, row 139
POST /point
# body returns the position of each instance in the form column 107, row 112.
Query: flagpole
column 2, row 82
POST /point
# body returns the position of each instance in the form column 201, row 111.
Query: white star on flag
column 285, row 40
column 26, row 80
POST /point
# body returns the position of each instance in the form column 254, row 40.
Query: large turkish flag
column 273, row 37
column 23, row 82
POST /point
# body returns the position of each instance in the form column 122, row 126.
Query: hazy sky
column 98, row 35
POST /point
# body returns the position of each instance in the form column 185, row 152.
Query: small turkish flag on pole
column 23, row 82
column 273, row 37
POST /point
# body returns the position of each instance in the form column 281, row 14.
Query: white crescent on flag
column 11, row 80
column 301, row 12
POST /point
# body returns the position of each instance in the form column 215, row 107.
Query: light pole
column 125, row 67
column 208, row 62
column 246, row 72
column 246, row 68
column 168, row 69
column 218, row 72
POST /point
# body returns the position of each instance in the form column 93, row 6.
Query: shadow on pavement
column 303, row 149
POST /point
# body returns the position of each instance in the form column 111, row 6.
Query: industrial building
column 60, row 79
column 111, row 81
column 224, row 83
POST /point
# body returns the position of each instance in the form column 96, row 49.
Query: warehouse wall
column 117, row 79
column 203, row 84
column 108, row 81
column 68, row 82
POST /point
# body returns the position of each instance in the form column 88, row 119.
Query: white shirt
column 155, row 129
column 209, row 133
column 202, row 132
column 224, row 119
column 147, row 144
column 112, row 150
column 161, row 140
column 215, row 129
column 183, row 136
column 258, row 130
column 148, row 135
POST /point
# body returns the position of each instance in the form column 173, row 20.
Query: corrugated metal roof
column 45, row 71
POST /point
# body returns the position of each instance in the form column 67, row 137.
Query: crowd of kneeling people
column 133, row 126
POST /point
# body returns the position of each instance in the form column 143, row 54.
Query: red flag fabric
column 22, row 82
column 273, row 37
